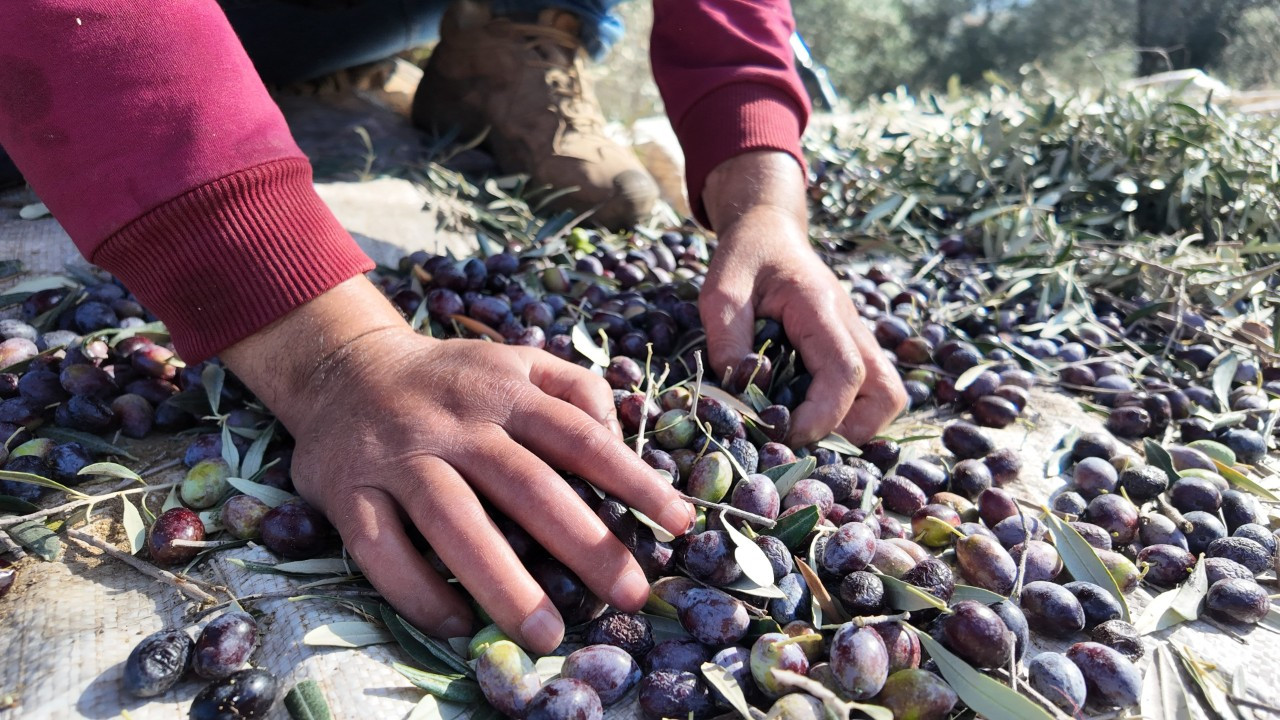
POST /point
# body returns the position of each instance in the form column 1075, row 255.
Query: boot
column 525, row 84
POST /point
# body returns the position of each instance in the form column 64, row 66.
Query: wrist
column 764, row 181
column 291, row 361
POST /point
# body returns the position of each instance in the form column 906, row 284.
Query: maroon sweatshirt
column 146, row 131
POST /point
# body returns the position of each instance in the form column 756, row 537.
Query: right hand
column 394, row 427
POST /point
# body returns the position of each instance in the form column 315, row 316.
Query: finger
column 451, row 518
column 833, row 360
column 570, row 441
column 372, row 532
column 729, row 319
column 881, row 398
column 576, row 385
column 532, row 494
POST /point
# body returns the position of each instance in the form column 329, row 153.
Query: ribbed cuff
column 732, row 120
column 224, row 260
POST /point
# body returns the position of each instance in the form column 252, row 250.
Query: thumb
column 729, row 319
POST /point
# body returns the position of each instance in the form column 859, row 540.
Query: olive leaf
column 440, row 652
column 1164, row 692
column 757, row 397
column 1159, row 614
column 659, row 533
column 1223, row 375
column 1159, row 457
column 315, row 566
column 733, row 402
column 253, row 456
column 10, row 505
column 306, row 702
column 776, row 472
column 230, row 453
column 39, row 539
column 549, row 667
column 110, row 469
column 760, row 626
column 982, row 595
column 43, row 282
column 657, row 606
column 830, row 611
column 1192, row 592
column 837, row 443
column 271, row 496
column 446, row 687
column 588, row 348
column 665, row 628
column 90, row 442
column 728, row 688
column 870, row 495
column 796, row 472
column 213, row 377
column 968, row 377
column 171, row 501
column 134, row 529
column 747, row 586
column 1081, row 560
column 794, row 528
column 904, row 596
column 985, row 695
column 1235, row 477
column 347, row 634
column 432, row 708
column 31, row 479
column 754, row 563
column 1213, row 687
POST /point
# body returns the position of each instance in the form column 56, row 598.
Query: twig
column 186, row 586
column 878, row 619
column 340, row 594
column 91, row 500
column 204, row 544
column 731, row 510
column 171, row 463
column 9, row 546
column 1027, row 689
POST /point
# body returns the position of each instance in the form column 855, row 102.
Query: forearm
column 145, row 130
column 727, row 76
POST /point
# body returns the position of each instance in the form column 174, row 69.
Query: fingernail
column 679, row 514
column 629, row 587
column 542, row 629
column 456, row 626
column 614, row 427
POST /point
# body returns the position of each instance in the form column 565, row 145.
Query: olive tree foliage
column 874, row 46
column 1178, row 34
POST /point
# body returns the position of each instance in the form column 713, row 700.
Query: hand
column 765, row 267
column 393, row 428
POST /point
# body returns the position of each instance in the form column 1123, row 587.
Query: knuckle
column 852, row 372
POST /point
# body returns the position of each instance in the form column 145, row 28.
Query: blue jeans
column 294, row 40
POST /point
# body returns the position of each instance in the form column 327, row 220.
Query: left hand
column 765, row 267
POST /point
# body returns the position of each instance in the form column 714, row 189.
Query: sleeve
column 146, row 131
column 727, row 75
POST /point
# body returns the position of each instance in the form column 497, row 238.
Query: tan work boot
column 525, row 83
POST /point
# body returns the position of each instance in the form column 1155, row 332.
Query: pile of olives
column 843, row 529
column 219, row 654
